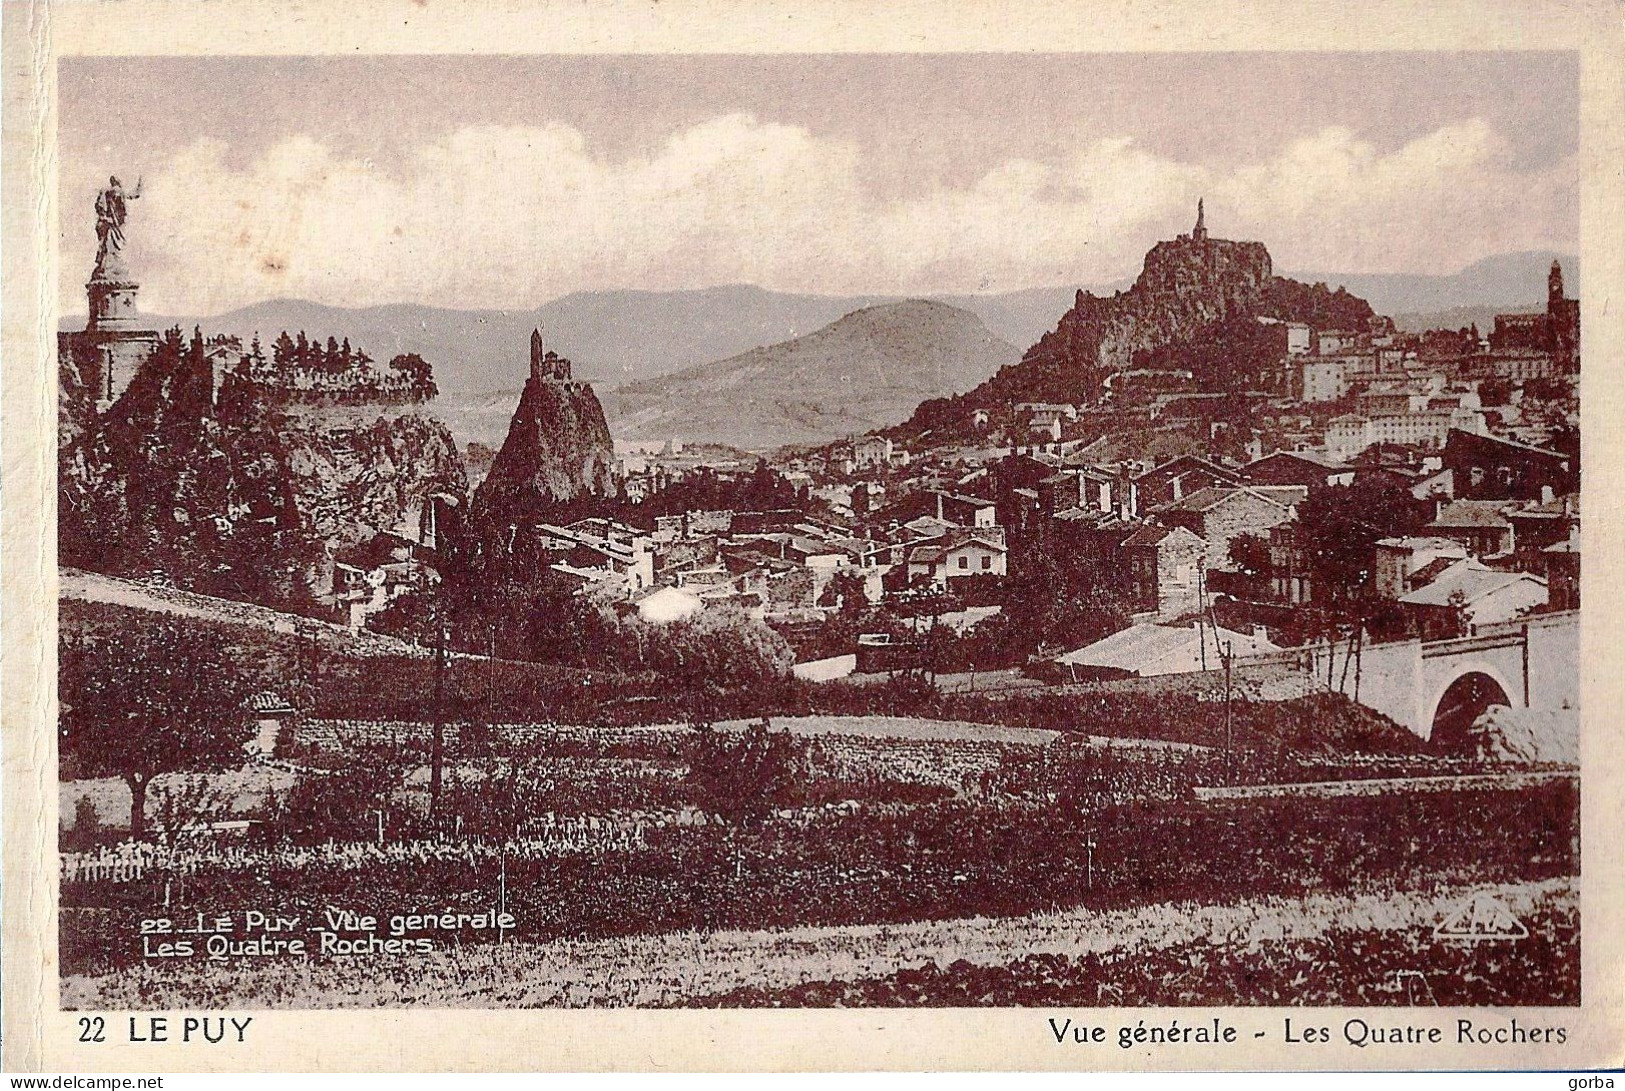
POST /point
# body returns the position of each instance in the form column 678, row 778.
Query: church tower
column 1563, row 321
column 1199, row 232
column 546, row 366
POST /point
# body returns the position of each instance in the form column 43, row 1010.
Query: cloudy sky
column 508, row 181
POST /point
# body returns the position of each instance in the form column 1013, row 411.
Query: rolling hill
column 866, row 370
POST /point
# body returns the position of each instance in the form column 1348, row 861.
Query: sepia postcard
column 787, row 536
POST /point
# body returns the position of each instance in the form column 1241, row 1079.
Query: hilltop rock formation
column 1187, row 286
column 865, row 371
column 558, row 450
column 189, row 476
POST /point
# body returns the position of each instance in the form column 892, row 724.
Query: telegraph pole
column 491, row 679
column 437, row 753
column 1201, row 617
column 1229, row 656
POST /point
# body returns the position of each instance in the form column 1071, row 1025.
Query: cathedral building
column 1555, row 331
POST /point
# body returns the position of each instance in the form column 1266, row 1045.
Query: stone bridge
column 1437, row 688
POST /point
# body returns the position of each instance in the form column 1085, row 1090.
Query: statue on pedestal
column 112, row 209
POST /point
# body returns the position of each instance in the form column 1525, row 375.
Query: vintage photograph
column 819, row 530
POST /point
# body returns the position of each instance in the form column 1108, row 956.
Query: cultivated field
column 889, row 964
column 897, row 860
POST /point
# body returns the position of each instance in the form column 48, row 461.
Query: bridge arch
column 1468, row 690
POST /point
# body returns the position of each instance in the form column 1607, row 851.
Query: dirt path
column 672, row 968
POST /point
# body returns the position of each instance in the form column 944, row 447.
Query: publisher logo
column 1480, row 917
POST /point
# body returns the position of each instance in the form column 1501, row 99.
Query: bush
column 340, row 805
column 87, row 827
column 740, row 779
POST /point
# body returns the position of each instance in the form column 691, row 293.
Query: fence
column 122, row 863
column 545, row 836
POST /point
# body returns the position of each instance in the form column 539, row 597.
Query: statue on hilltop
column 112, row 209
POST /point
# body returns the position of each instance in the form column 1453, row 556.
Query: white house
column 955, row 556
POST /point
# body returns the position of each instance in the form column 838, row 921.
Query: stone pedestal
column 106, row 359
column 112, row 305
column 112, row 345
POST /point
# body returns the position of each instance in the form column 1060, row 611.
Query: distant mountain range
column 1502, row 282
column 613, row 337
column 865, row 371
column 619, row 338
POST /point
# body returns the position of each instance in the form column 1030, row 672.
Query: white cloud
column 509, row 216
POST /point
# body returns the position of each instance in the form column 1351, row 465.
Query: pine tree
column 282, row 352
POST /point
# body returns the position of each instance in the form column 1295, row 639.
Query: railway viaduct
column 1437, row 688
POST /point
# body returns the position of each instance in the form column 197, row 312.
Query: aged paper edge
column 39, row 1037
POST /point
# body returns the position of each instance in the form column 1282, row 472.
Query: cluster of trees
column 1339, row 527
column 1231, row 354
column 171, row 696
column 1058, row 596
column 706, row 489
column 151, row 490
column 543, row 620
column 1335, row 536
column 1318, row 305
column 299, row 366
column 1444, row 343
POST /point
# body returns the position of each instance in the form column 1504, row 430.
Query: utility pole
column 1201, row 616
column 491, row 680
column 1359, row 655
column 437, row 754
column 1229, row 656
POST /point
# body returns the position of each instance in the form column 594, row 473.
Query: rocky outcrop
column 186, row 477
column 558, row 451
column 1187, row 286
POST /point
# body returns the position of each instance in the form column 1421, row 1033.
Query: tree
column 717, row 649
column 1250, row 553
column 1339, row 528
column 159, row 698
column 416, row 373
column 282, row 352
column 1060, row 597
column 1460, row 616
column 845, row 592
column 86, row 828
column 343, row 805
